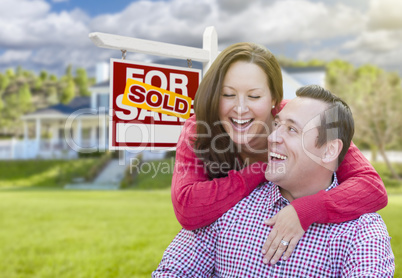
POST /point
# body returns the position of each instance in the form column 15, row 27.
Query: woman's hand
column 287, row 228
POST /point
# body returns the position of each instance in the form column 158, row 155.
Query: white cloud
column 267, row 22
column 15, row 56
column 32, row 25
column 383, row 32
column 376, row 41
column 311, row 29
column 300, row 21
column 385, row 14
column 16, row 11
column 380, row 41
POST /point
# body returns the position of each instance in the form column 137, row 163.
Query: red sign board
column 135, row 128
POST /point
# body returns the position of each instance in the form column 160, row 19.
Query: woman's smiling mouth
column 241, row 124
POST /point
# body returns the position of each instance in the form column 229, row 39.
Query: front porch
column 59, row 132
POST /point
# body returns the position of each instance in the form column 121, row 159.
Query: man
column 311, row 136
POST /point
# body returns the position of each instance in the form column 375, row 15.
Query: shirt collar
column 275, row 194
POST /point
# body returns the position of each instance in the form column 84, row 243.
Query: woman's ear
column 273, row 103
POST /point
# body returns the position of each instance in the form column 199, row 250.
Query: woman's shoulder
column 190, row 125
column 188, row 131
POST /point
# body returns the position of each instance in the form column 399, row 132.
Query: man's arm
column 191, row 254
column 370, row 255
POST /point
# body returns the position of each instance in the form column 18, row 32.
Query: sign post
column 131, row 125
column 206, row 55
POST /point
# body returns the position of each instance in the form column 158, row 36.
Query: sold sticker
column 145, row 96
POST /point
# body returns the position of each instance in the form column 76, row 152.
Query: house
column 64, row 131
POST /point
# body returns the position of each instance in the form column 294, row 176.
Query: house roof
column 101, row 84
column 290, row 85
column 292, row 70
column 62, row 109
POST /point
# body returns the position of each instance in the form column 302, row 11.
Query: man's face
column 292, row 144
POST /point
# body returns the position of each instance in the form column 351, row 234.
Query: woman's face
column 245, row 104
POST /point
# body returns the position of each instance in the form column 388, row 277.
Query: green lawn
column 84, row 234
column 43, row 173
column 101, row 234
column 392, row 215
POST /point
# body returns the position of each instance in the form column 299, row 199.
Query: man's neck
column 306, row 188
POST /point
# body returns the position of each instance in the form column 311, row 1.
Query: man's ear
column 332, row 150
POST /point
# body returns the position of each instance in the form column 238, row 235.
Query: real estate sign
column 149, row 104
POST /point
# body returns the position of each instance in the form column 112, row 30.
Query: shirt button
column 278, row 263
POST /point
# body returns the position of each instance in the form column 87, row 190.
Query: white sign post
column 206, row 55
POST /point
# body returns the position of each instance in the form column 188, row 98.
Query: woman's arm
column 361, row 190
column 199, row 201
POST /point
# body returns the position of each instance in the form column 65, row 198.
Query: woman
column 221, row 157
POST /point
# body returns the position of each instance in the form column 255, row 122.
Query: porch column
column 78, row 133
column 25, row 131
column 93, row 141
column 26, row 137
column 38, row 133
column 102, row 129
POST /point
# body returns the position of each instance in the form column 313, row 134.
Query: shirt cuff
column 311, row 209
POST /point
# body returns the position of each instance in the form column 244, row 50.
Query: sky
column 52, row 34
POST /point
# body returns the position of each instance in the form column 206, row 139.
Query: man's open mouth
column 277, row 156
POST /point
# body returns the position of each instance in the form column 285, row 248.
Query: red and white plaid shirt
column 231, row 246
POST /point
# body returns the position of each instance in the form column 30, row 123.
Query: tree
column 43, row 75
column 38, row 83
column 21, row 91
column 69, row 73
column 375, row 97
column 19, row 72
column 10, row 73
column 25, row 98
column 81, row 80
column 68, row 92
column 52, row 97
column 53, row 78
column 4, row 82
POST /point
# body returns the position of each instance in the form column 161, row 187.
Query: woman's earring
column 273, row 106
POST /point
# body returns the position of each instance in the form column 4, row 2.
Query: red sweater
column 199, row 201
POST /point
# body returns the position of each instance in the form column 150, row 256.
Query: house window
column 103, row 101
column 62, row 134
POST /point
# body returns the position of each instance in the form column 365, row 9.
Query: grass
column 392, row 218
column 45, row 173
column 76, row 234
column 84, row 234
column 153, row 175
column 393, row 186
column 63, row 234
